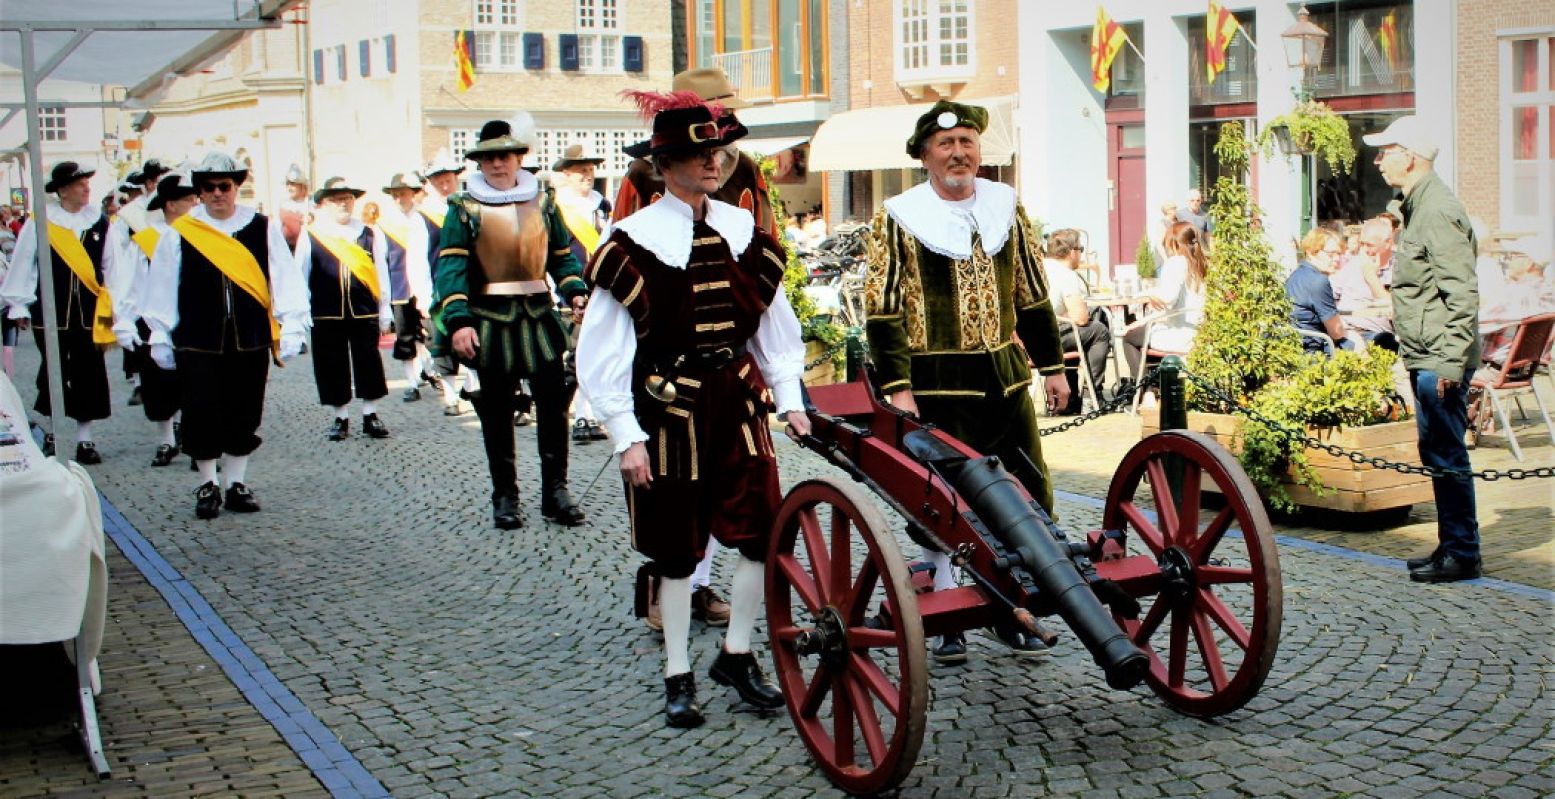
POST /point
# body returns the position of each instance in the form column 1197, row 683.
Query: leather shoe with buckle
column 504, row 513
column 207, row 501
column 241, row 500
column 1447, row 569
column 580, row 432
column 339, row 430
column 373, row 426
column 1021, row 643
column 597, row 431
column 165, row 455
column 134, row 397
column 1415, row 564
column 709, row 608
column 87, row 455
column 741, row 673
column 558, row 506
column 951, row 649
column 680, row 701
column 411, row 394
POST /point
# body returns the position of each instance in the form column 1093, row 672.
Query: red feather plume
column 650, row 104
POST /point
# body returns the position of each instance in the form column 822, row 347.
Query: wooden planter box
column 1354, row 487
column 823, row 375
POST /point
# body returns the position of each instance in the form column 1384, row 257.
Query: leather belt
column 517, row 288
column 702, row 359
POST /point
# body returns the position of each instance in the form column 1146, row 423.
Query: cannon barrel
column 1003, row 507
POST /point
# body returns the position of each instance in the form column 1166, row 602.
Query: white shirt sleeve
column 418, row 270
column 607, row 344
column 385, row 286
column 159, row 299
column 20, row 287
column 779, row 353
column 288, row 288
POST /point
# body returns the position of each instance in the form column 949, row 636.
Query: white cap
column 1406, row 132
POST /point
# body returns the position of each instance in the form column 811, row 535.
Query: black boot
column 741, row 673
column 680, row 701
column 557, row 505
column 504, row 512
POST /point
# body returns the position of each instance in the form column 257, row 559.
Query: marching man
column 405, row 232
column 587, row 215
column 689, row 294
column 442, row 180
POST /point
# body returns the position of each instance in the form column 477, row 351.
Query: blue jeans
column 1442, row 423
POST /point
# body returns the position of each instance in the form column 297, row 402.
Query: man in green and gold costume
column 955, row 288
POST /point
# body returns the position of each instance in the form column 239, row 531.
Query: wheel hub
column 828, row 638
column 1177, row 578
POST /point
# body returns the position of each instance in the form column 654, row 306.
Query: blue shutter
column 364, row 49
column 632, row 53
column 318, row 66
column 388, row 53
column 534, row 51
column 568, row 44
column 340, row 61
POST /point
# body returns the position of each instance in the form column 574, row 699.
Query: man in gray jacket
column 1436, row 319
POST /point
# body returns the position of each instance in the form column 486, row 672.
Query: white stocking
column 83, row 431
column 744, row 602
column 340, row 411
column 450, row 393
column 165, row 430
column 412, row 371
column 369, row 407
column 675, row 610
column 943, row 578
column 703, row 576
column 207, row 471
column 234, row 468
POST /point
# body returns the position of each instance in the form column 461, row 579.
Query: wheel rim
column 857, row 695
column 1213, row 626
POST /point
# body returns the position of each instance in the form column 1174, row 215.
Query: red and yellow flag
column 1387, row 38
column 464, row 63
column 1220, row 27
column 1107, row 38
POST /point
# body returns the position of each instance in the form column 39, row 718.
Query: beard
column 959, row 181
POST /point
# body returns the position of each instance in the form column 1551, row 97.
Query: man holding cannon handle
column 687, row 344
column 955, row 273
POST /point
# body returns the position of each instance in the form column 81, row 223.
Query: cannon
column 1172, row 592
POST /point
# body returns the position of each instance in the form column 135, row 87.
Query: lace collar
column 232, row 224
column 77, row 221
column 350, row 231
column 947, row 230
column 528, row 186
column 664, row 228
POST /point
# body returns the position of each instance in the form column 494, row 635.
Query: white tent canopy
column 876, row 138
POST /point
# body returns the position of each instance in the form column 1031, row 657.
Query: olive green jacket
column 1435, row 290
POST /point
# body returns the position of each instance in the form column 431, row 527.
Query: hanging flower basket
column 1311, row 128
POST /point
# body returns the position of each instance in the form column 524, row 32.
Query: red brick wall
column 872, row 47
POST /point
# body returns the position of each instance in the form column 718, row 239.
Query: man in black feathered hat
column 501, row 238
column 688, row 345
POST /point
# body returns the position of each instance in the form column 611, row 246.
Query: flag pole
column 1248, row 39
column 1131, row 46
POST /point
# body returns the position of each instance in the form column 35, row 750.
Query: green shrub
column 1144, row 257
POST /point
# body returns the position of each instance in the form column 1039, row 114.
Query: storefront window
column 1238, row 83
column 1370, row 48
column 1361, row 194
column 1128, row 69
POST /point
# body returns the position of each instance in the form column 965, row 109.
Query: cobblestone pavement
column 455, row 660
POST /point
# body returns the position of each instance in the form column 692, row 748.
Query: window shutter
column 340, row 61
column 388, row 53
column 534, row 51
column 364, row 49
column 568, row 43
column 632, row 53
column 318, row 66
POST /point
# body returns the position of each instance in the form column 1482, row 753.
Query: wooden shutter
column 568, row 44
column 534, row 51
column 632, row 53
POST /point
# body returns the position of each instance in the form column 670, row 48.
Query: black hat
column 65, row 173
column 503, row 136
column 220, row 165
column 152, row 170
column 134, row 177
column 683, row 123
column 175, row 186
column 336, row 185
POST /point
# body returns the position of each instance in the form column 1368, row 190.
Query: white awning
column 764, row 148
column 866, row 139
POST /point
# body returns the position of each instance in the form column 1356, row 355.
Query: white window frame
column 1539, row 219
column 52, row 123
column 930, row 16
column 599, row 36
column 499, row 35
column 461, row 140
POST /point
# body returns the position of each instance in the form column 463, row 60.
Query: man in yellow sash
column 406, row 233
column 222, row 298
column 586, row 213
column 135, row 217
column 83, row 268
column 345, row 267
column 441, row 177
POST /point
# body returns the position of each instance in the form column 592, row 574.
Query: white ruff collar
column 241, row 216
column 664, row 228
column 528, row 186
column 78, row 221
column 349, row 231
column 944, row 230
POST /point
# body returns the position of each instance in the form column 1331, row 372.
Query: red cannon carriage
column 1195, row 613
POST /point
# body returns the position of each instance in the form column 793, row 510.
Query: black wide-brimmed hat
column 217, row 165
column 175, row 186
column 152, row 170
column 503, row 136
column 336, row 185
column 65, row 173
column 683, row 123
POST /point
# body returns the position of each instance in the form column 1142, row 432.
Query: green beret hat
column 945, row 115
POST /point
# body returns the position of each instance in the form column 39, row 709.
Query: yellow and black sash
column 236, row 262
column 437, row 219
column 353, row 257
column 147, row 240
column 64, row 241
column 581, row 226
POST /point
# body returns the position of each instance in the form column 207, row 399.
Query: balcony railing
column 749, row 70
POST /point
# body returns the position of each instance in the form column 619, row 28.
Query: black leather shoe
column 207, row 501
column 597, row 431
column 165, row 455
column 178, row 433
column 557, row 506
column 1415, row 564
column 680, row 702
column 951, row 649
column 373, row 426
column 504, row 513
column 134, row 397
column 1448, row 569
column 1020, row 643
column 339, row 430
column 580, row 432
column 742, row 673
column 523, row 419
column 87, row 455
column 411, row 394
column 48, row 445
column 241, row 500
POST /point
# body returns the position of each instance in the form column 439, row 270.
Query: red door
column 1127, row 214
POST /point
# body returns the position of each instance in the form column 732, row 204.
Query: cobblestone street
column 369, row 631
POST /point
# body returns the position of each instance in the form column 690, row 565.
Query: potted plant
column 1311, row 128
column 1249, row 352
column 1144, row 258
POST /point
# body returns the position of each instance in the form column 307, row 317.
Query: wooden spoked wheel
column 857, row 691
column 1213, row 625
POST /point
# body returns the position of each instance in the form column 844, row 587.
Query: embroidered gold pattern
column 706, row 240
column 707, row 327
column 977, row 299
column 716, row 284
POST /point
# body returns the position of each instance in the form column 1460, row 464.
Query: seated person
column 1506, row 297
column 1179, row 290
column 1312, row 296
column 1067, row 290
column 1363, row 281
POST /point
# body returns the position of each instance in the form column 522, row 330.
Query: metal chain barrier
column 1299, row 438
column 830, row 353
column 1118, row 403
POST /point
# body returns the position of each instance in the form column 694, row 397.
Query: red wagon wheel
column 832, row 562
column 1214, row 625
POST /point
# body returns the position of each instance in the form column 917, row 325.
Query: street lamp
column 1304, row 47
